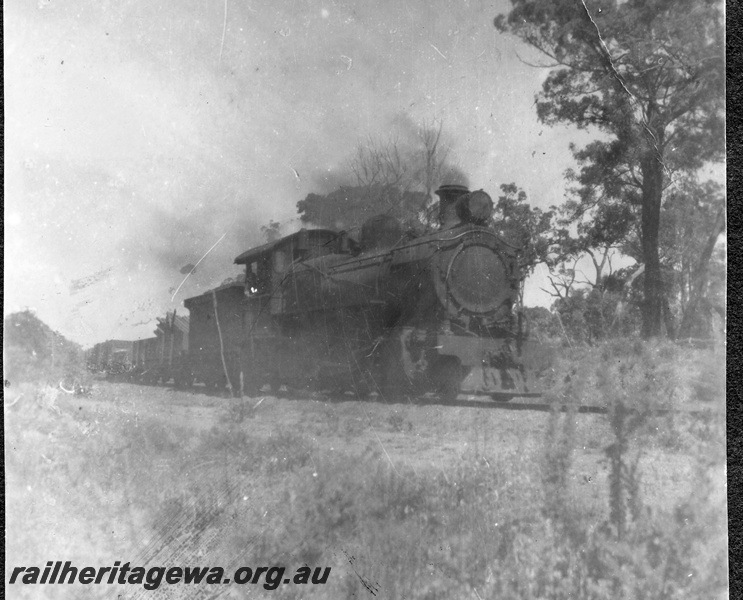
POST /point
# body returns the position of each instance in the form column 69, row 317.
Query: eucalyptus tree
column 647, row 76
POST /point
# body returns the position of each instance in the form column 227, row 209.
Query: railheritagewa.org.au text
column 57, row 572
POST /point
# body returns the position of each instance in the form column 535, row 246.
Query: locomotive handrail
column 421, row 240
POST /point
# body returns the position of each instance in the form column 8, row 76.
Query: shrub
column 285, row 451
column 238, row 410
column 35, row 353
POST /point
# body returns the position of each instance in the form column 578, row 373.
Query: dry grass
column 410, row 501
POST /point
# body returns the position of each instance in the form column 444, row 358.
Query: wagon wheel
column 182, row 375
column 213, row 381
column 250, row 383
column 183, row 378
column 215, row 384
column 275, row 383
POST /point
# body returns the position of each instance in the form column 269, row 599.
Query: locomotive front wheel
column 394, row 386
column 184, row 382
column 449, row 376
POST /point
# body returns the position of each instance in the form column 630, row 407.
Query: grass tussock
column 654, row 385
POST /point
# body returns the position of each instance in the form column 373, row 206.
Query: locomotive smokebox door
column 475, row 279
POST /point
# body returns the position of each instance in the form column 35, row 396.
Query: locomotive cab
column 266, row 265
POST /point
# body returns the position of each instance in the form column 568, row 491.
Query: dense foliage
column 395, row 176
column 349, row 206
column 527, row 228
column 647, row 77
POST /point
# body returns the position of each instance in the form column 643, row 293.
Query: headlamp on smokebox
column 475, row 207
column 458, row 205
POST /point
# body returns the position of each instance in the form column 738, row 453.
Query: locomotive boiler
column 393, row 312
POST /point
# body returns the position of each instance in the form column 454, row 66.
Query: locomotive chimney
column 448, row 196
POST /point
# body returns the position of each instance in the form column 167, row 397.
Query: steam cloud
column 140, row 132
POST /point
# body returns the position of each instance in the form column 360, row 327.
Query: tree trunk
column 700, row 278
column 652, row 194
column 668, row 319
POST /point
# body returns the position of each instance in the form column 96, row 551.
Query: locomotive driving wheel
column 363, row 374
column 394, row 383
column 362, row 383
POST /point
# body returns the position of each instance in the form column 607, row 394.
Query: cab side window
column 258, row 276
column 252, row 285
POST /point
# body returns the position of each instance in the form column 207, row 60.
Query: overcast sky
column 140, row 132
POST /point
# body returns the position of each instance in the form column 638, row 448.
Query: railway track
column 512, row 405
column 520, row 403
column 546, row 407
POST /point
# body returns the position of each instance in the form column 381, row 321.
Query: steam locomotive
column 391, row 313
